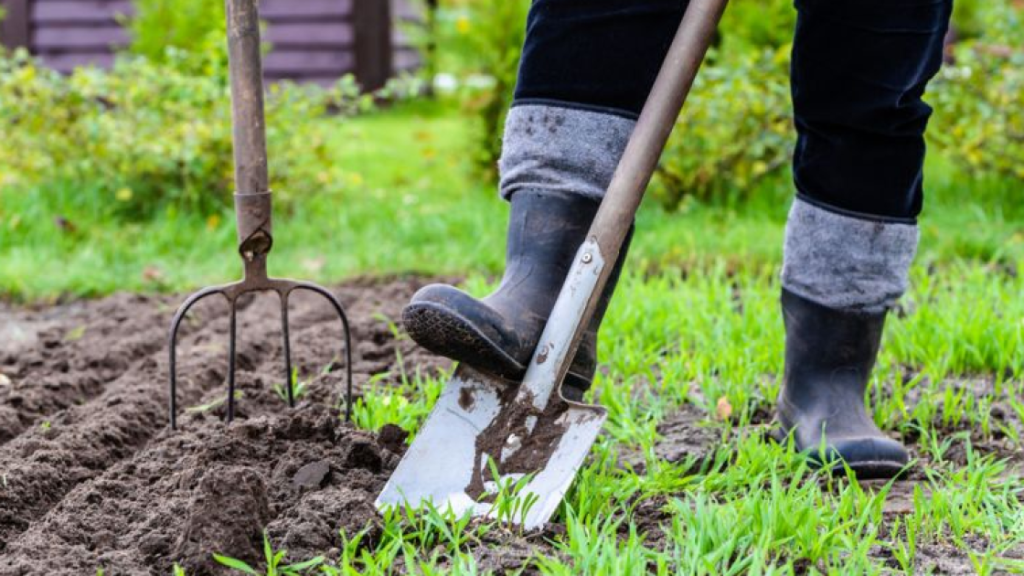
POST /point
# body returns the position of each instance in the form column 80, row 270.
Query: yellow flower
column 123, row 195
column 462, row 25
column 212, row 221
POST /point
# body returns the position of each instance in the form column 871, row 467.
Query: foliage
column 274, row 560
column 145, row 135
column 423, row 36
column 492, row 33
column 757, row 24
column 735, row 129
column 160, row 28
column 994, row 21
column 979, row 118
column 298, row 387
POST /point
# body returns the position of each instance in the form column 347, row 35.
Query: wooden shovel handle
column 657, row 119
column 619, row 206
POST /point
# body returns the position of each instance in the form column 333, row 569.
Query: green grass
column 695, row 321
column 399, row 195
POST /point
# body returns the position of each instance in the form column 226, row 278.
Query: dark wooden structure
column 311, row 40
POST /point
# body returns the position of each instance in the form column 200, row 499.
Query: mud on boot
column 497, row 334
column 829, row 357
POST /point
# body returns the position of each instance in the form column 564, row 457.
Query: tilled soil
column 92, row 477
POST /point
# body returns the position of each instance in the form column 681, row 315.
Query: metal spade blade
column 447, row 463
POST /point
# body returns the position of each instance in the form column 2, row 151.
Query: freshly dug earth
column 93, row 478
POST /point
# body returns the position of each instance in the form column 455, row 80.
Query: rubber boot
column 829, row 357
column 498, row 334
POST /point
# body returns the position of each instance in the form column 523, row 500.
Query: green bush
column 736, row 128
column 979, row 111
column 757, row 24
column 160, row 28
column 488, row 36
column 737, row 125
column 144, row 135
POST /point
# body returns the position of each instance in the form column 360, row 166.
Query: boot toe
column 868, row 457
column 449, row 322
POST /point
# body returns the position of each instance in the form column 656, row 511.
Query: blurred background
column 384, row 125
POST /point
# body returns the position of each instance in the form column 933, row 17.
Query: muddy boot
column 497, row 334
column 829, row 357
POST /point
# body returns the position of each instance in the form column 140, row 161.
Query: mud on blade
column 447, row 463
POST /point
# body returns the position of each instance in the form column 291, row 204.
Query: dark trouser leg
column 860, row 68
column 586, row 70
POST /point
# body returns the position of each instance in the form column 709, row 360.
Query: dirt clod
column 312, row 475
column 226, row 512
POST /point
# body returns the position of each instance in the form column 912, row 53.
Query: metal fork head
column 256, row 280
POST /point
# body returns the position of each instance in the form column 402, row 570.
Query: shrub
column 737, row 125
column 160, row 28
column 757, row 24
column 144, row 134
column 488, row 36
column 979, row 116
column 735, row 129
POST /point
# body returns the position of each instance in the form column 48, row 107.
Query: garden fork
column 252, row 209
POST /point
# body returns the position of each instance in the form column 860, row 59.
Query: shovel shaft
column 657, row 119
column 586, row 280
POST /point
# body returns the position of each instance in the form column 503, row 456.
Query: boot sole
column 870, row 470
column 449, row 334
column 864, row 470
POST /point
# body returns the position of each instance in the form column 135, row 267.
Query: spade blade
column 449, row 464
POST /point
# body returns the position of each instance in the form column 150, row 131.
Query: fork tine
column 179, row 316
column 231, row 362
column 340, row 310
column 287, row 349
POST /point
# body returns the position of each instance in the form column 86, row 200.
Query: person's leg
column 586, row 70
column 859, row 71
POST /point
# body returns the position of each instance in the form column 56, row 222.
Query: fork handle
column 252, row 196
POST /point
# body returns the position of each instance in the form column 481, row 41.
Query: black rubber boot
column 497, row 334
column 829, row 357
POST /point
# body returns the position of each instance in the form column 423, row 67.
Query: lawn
column 684, row 480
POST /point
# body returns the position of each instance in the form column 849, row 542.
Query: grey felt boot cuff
column 561, row 149
column 844, row 262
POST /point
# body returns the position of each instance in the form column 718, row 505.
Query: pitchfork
column 252, row 209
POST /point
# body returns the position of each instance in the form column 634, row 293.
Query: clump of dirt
column 93, row 478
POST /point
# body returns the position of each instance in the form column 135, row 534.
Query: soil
column 91, row 476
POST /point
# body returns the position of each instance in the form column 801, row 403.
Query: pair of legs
column 859, row 71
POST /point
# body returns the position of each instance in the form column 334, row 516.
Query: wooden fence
column 311, row 40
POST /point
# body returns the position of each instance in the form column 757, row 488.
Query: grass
column 405, row 199
column 695, row 322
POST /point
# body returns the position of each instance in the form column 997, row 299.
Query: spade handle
column 593, row 265
column 652, row 130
